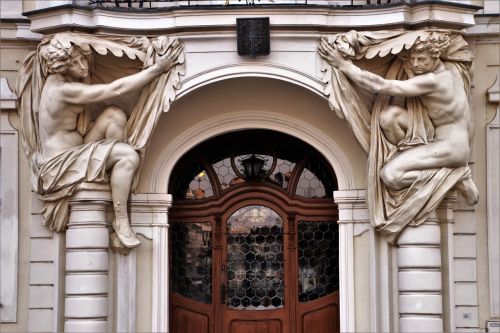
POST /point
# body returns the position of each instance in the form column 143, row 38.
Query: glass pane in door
column 318, row 259
column 191, row 274
column 255, row 277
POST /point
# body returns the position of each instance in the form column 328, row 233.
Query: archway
column 254, row 239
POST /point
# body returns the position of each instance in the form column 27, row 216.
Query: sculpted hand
column 330, row 54
column 170, row 58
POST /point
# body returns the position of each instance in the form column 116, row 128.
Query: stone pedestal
column 87, row 242
column 420, row 279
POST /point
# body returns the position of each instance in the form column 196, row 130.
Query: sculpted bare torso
column 58, row 120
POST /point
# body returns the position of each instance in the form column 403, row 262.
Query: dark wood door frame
column 291, row 209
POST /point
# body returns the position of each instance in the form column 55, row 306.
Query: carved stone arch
column 338, row 153
column 266, row 70
column 235, row 121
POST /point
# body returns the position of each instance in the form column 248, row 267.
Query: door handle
column 223, row 291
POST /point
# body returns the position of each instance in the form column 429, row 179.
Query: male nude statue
column 63, row 98
column 445, row 99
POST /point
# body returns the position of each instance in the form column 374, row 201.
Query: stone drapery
column 130, row 56
column 391, row 211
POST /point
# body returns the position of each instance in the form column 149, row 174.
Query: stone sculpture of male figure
column 68, row 157
column 445, row 99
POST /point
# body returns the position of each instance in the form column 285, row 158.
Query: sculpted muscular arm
column 416, row 86
column 79, row 93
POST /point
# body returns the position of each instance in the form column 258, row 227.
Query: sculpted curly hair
column 58, row 56
column 436, row 44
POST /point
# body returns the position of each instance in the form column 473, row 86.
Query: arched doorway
column 254, row 238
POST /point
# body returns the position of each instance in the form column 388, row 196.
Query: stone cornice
column 322, row 18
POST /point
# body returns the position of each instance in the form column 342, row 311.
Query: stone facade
column 222, row 92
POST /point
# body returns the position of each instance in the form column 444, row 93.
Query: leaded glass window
column 315, row 181
column 255, row 275
column 191, row 274
column 318, row 259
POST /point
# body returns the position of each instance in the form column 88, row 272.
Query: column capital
column 352, row 207
column 350, row 197
column 91, row 192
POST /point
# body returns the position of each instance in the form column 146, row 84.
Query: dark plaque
column 253, row 36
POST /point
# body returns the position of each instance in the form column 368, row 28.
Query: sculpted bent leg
column 404, row 169
column 394, row 123
column 109, row 125
column 123, row 161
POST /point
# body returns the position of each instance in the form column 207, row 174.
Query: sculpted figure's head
column 424, row 55
column 67, row 60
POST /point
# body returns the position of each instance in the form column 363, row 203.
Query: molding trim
column 9, row 216
column 164, row 20
column 149, row 216
column 255, row 69
column 353, row 221
column 492, row 199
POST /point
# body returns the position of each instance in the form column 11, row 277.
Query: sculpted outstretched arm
column 78, row 93
column 416, row 86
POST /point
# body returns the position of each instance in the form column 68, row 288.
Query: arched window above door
column 219, row 164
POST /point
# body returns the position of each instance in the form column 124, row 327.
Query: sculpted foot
column 125, row 233
column 469, row 191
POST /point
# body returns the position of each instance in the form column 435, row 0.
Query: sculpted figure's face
column 78, row 67
column 421, row 62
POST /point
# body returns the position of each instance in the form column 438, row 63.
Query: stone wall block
column 465, row 270
column 464, row 246
column 95, row 261
column 467, row 316
column 87, row 238
column 466, row 293
column 420, row 324
column 420, row 304
column 419, row 281
column 86, row 307
column 41, row 297
column 37, row 229
column 85, row 326
column 42, row 273
column 426, row 234
column 92, row 214
column 419, row 257
column 40, row 320
column 41, row 250
column 86, row 284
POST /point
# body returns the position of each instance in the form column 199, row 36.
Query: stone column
column 87, row 242
column 353, row 222
column 420, row 274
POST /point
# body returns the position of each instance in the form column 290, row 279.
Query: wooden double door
column 254, row 261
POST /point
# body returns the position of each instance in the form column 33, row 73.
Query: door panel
column 255, row 267
column 188, row 321
column 254, row 273
column 321, row 320
column 269, row 326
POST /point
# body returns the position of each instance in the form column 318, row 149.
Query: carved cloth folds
column 60, row 176
column 391, row 211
